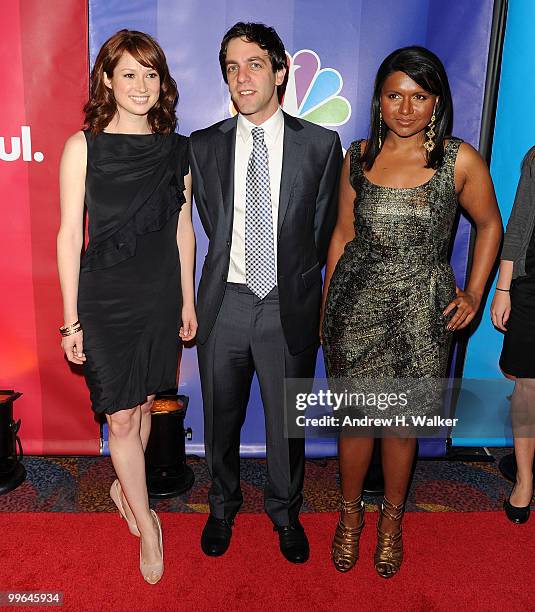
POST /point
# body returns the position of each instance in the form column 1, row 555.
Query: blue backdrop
column 513, row 136
column 338, row 46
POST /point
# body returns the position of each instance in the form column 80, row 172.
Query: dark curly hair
column 101, row 106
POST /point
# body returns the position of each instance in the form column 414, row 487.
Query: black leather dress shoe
column 516, row 514
column 215, row 538
column 293, row 542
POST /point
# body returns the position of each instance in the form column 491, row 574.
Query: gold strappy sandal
column 345, row 548
column 389, row 550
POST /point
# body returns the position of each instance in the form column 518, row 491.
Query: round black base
column 11, row 479
column 507, row 467
column 163, row 483
column 374, row 482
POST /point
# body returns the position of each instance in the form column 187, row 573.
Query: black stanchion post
column 165, row 457
column 12, row 472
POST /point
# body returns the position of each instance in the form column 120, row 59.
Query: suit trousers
column 247, row 337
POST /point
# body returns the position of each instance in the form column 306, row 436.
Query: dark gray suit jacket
column 312, row 159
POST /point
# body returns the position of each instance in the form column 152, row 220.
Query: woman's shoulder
column 468, row 165
column 528, row 162
column 353, row 158
column 76, row 145
column 355, row 152
column 466, row 156
column 358, row 146
column 180, row 144
column 180, row 139
column 74, row 157
column 453, row 144
column 181, row 153
column 77, row 140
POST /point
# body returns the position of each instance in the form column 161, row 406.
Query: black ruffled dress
column 129, row 296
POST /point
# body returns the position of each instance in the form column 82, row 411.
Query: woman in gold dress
column 390, row 298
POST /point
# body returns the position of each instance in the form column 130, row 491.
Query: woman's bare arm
column 186, row 248
column 71, row 236
column 344, row 230
column 477, row 197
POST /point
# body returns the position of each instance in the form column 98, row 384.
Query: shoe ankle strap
column 353, row 506
column 392, row 511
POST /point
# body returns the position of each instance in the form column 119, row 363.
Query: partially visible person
column 513, row 312
column 390, row 297
column 131, row 296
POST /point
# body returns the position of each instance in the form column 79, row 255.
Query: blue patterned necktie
column 260, row 275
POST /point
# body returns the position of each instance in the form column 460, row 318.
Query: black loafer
column 293, row 542
column 215, row 538
column 516, row 514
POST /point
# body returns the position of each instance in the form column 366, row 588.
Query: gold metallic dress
column 383, row 316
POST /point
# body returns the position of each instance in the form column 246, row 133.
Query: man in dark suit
column 265, row 185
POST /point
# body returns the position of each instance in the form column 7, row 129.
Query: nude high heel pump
column 115, row 494
column 153, row 572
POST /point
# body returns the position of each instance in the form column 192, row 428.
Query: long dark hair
column 101, row 106
column 426, row 69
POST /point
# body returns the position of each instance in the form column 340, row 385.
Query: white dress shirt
column 274, row 138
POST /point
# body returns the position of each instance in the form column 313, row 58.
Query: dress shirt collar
column 272, row 127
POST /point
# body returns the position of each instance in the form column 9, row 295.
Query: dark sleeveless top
column 129, row 292
column 140, row 178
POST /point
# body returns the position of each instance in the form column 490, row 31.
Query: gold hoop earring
column 430, row 134
column 380, row 129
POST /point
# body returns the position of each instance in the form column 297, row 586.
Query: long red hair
column 101, row 106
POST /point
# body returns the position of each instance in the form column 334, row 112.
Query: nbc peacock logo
column 312, row 92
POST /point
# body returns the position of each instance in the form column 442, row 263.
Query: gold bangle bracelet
column 67, row 327
column 70, row 329
column 71, row 332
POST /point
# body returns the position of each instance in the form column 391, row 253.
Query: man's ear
column 280, row 75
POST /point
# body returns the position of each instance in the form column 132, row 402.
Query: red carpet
column 469, row 561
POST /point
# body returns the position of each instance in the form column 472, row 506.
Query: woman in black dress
column 131, row 296
column 513, row 311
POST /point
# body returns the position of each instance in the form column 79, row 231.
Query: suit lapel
column 225, row 149
column 291, row 159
